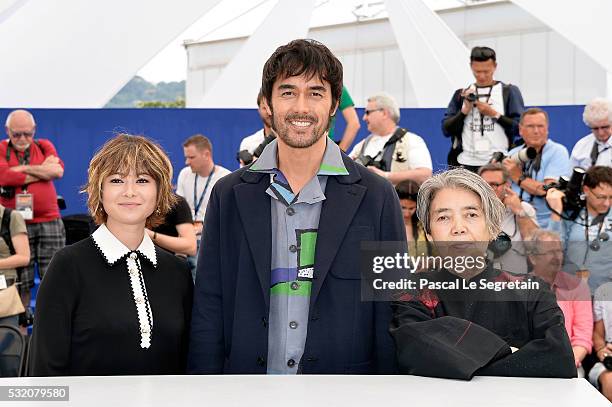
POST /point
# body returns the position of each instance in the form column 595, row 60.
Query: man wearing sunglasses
column 391, row 151
column 596, row 147
column 27, row 170
column 483, row 118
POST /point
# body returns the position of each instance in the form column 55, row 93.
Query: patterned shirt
column 295, row 222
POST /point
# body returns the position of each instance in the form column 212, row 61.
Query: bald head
column 20, row 128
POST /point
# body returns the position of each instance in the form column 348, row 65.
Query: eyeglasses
column 367, row 112
column 606, row 127
column 495, row 184
column 18, row 134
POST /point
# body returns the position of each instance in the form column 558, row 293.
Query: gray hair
column 11, row 114
column 460, row 178
column 597, row 110
column 388, row 103
column 495, row 167
column 537, row 238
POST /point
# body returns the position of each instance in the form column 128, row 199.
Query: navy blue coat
column 229, row 331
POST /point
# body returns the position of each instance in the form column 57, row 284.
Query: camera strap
column 531, row 169
column 595, row 152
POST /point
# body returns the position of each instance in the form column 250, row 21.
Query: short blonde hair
column 120, row 155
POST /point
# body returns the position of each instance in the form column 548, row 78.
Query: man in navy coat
column 278, row 286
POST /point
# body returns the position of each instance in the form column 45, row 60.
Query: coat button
column 293, row 248
column 293, row 325
column 290, row 211
column 291, row 363
column 261, row 361
column 295, row 285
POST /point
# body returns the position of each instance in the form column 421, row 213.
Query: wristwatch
column 522, row 178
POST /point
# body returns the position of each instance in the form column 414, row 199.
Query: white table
column 314, row 391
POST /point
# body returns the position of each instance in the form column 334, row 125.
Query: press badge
column 3, row 282
column 24, row 203
column 482, row 145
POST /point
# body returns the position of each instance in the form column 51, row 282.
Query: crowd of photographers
column 552, row 197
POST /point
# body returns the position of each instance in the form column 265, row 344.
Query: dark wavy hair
column 303, row 57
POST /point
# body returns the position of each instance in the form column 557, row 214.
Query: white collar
column 113, row 250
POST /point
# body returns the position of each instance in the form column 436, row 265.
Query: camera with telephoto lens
column 368, row 161
column 520, row 157
column 573, row 201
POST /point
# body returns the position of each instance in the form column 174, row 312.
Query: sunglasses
column 19, row 134
column 367, row 112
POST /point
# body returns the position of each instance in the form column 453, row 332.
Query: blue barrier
column 78, row 133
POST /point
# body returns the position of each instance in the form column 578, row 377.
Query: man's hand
column 467, row 105
column 51, row 160
column 199, row 226
column 511, row 200
column 485, row 109
column 377, row 171
column 513, row 169
column 606, row 351
column 19, row 168
column 554, row 197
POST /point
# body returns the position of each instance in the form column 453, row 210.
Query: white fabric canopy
column 75, row 53
column 585, row 23
column 239, row 83
column 436, row 60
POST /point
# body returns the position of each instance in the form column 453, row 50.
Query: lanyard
column 198, row 202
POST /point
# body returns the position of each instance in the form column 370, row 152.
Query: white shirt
column 581, row 153
column 515, row 259
column 187, row 180
column 477, row 149
column 250, row 143
column 602, row 308
column 417, row 156
column 374, row 147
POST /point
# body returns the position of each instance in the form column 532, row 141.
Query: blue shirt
column 295, row 223
column 554, row 164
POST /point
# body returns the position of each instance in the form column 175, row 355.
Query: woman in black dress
column 114, row 303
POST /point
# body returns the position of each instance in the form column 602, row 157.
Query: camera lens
column 594, row 246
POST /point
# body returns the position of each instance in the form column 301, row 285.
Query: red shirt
column 44, row 194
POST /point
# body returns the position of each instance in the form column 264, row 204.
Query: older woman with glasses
column 458, row 324
column 114, row 303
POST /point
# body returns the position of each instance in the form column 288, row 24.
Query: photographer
column 519, row 217
column 600, row 375
column 587, row 233
column 391, row 151
column 483, row 118
column 596, row 147
column 550, row 163
column 252, row 146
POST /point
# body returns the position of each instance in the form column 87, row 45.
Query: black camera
column 244, row 156
column 573, row 201
column 520, row 157
column 471, row 97
column 7, row 192
column 500, row 245
column 607, row 362
column 368, row 161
